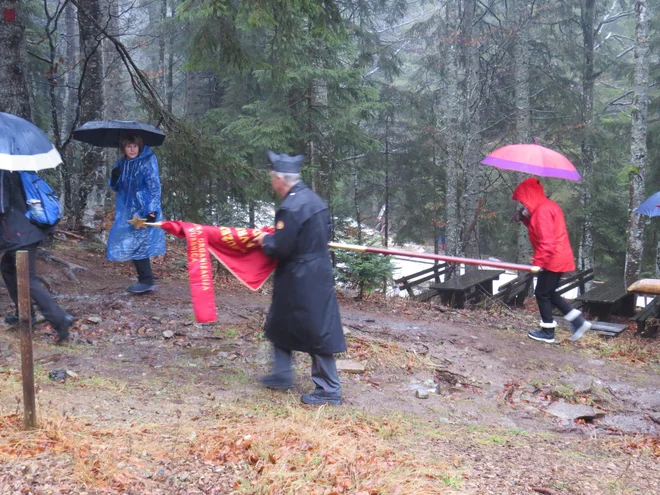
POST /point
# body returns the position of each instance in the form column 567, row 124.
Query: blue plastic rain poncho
column 138, row 193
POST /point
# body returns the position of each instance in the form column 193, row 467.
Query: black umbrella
column 108, row 133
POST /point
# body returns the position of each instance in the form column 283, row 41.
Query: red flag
column 235, row 248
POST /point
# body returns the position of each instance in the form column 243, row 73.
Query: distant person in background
column 17, row 232
column 545, row 223
column 135, row 178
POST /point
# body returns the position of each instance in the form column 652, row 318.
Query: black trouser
column 547, row 297
column 144, row 273
column 55, row 315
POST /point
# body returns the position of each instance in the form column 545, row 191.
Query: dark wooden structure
column 472, row 286
column 513, row 293
column 650, row 311
column 577, row 280
column 609, row 298
column 607, row 328
column 433, row 273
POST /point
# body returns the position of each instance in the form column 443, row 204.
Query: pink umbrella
column 533, row 159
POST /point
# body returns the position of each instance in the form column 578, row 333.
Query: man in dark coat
column 18, row 233
column 304, row 315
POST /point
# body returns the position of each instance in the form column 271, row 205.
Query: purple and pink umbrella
column 533, row 159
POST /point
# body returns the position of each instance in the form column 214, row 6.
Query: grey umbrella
column 108, row 133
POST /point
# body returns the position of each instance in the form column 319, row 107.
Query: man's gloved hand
column 151, row 217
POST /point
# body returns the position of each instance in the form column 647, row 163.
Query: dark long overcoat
column 304, row 315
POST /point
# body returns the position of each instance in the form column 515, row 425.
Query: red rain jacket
column 547, row 228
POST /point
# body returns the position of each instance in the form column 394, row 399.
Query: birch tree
column 637, row 173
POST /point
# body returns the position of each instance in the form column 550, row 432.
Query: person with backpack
column 135, row 179
column 20, row 229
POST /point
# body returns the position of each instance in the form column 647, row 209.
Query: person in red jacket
column 545, row 223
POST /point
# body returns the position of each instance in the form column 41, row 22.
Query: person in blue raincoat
column 136, row 180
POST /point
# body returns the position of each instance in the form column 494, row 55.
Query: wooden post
column 25, row 325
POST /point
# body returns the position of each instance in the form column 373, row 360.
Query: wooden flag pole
column 140, row 223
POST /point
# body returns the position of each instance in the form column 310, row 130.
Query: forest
column 393, row 102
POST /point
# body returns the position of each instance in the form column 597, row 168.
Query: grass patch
column 96, row 383
column 96, row 457
column 492, row 440
column 567, row 368
column 321, row 451
column 258, row 448
column 628, row 349
column 235, row 376
column 230, row 332
column 374, row 353
column 563, row 391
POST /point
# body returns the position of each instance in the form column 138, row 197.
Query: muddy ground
column 503, row 415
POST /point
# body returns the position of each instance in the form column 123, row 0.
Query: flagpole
column 140, row 223
column 439, row 257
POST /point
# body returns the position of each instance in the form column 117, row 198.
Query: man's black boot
column 277, row 381
column 317, row 399
column 63, row 330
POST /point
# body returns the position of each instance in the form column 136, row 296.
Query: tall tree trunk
column 636, row 176
column 386, row 213
column 68, row 173
column 169, row 83
column 169, row 79
column 472, row 178
column 92, row 192
column 586, row 251
column 523, row 123
column 452, row 121
column 198, row 93
column 15, row 95
column 114, row 68
column 162, row 68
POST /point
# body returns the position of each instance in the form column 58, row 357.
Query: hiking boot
column 546, row 333
column 579, row 324
column 320, row 400
column 141, row 288
column 543, row 335
column 12, row 319
column 63, row 330
column 276, row 382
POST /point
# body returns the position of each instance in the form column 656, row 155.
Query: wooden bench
column 513, row 293
column 609, row 298
column 578, row 280
column 433, row 273
column 471, row 286
column 651, row 310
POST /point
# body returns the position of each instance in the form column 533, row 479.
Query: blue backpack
column 44, row 208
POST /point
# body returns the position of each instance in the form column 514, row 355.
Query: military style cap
column 285, row 164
